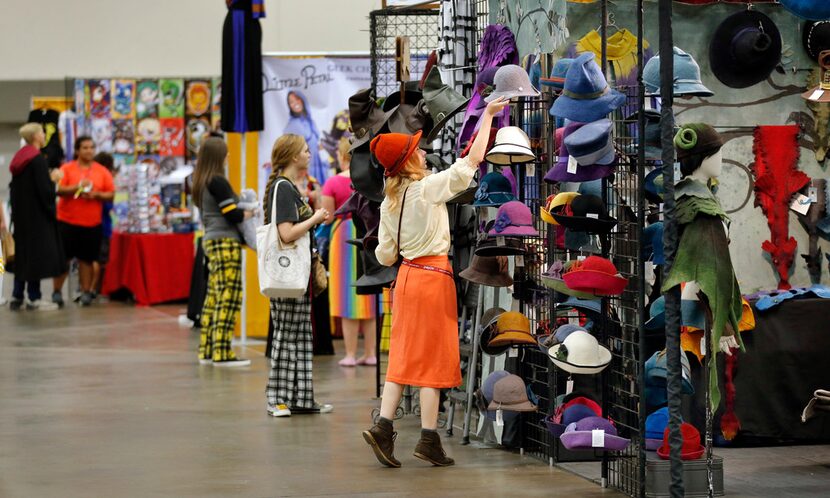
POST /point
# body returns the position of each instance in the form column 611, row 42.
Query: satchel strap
column 400, row 219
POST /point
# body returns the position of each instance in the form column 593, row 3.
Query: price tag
column 572, row 165
column 813, row 193
column 500, row 241
column 660, row 208
column 530, row 172
column 592, row 215
column 569, row 386
column 580, row 258
column 703, row 345
column 598, row 438
column 499, row 418
column 816, row 95
column 520, row 261
column 513, row 353
column 801, row 204
column 573, row 318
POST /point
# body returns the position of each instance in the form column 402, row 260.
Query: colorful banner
column 319, row 89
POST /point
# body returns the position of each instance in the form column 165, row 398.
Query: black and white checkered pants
column 290, row 379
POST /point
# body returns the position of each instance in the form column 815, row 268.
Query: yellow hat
column 553, row 202
column 512, row 328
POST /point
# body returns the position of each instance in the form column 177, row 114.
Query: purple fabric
column 559, row 171
column 240, row 118
column 578, row 435
column 497, row 48
column 514, row 218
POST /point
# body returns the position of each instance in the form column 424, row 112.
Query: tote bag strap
column 274, row 213
column 400, row 221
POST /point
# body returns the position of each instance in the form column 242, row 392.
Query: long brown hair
column 412, row 171
column 210, row 163
column 285, row 149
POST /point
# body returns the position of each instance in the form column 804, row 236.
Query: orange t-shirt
column 84, row 212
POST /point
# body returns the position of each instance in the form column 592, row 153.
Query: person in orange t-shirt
column 84, row 188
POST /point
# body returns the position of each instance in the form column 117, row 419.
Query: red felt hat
column 392, row 150
column 596, row 275
column 692, row 449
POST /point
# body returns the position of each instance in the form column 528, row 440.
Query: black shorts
column 104, row 253
column 83, row 243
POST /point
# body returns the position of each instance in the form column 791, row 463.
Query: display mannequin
column 702, row 259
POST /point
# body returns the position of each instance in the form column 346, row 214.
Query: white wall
column 53, row 39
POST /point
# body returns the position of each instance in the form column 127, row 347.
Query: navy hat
column 745, row 49
column 653, row 185
column 592, row 306
column 812, row 10
column 493, row 191
column 557, row 74
column 657, row 314
column 652, row 243
column 656, row 372
column 591, row 144
column 586, row 95
column 816, row 38
column 652, row 139
column 686, row 76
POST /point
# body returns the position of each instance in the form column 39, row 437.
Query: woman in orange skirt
column 414, row 224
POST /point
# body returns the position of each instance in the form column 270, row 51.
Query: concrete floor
column 110, row 401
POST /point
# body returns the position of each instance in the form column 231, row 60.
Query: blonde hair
column 29, row 130
column 343, row 147
column 412, row 171
column 285, row 149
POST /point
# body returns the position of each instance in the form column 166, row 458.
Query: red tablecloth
column 156, row 268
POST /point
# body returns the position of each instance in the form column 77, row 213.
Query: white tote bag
column 283, row 269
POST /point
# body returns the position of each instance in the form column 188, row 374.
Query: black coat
column 38, row 247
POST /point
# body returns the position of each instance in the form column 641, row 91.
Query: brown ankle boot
column 381, row 438
column 429, row 449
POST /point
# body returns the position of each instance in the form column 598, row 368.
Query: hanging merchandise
column 580, row 353
column 587, row 153
column 488, row 328
column 593, row 433
column 566, row 414
column 777, row 178
column 656, row 378
column 556, row 80
column 652, row 142
column 197, row 98
column 692, row 449
column 102, row 134
column 242, row 66
column 493, row 191
column 595, row 275
column 492, row 272
column 586, row 96
column 196, row 131
column 147, row 99
column 586, row 213
column 123, row 99
column 553, row 279
column 815, row 37
column 687, row 82
column 652, row 245
column 366, row 117
column 512, row 146
column 812, row 10
column 821, row 92
column 514, row 219
column 123, row 137
column 501, row 246
column 442, row 101
column 745, row 49
column 148, row 136
column 172, row 137
column 510, row 394
column 511, row 81
column 216, row 104
column 49, row 118
column 512, row 329
column 656, row 424
column 172, row 98
column 97, row 98
column 810, row 221
column 621, row 53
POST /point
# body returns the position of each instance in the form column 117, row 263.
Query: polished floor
column 109, row 401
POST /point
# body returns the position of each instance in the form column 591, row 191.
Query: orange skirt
column 423, row 348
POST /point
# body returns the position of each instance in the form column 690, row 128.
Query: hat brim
column 811, row 11
column 663, row 453
column 583, row 307
column 656, row 322
column 824, row 98
column 586, row 224
column 595, row 282
column 653, row 444
column 559, row 173
column 507, row 154
column 373, row 130
column 733, row 72
column 382, row 278
column 524, row 406
column 556, row 430
column 685, row 90
column 587, row 111
column 604, row 361
column 512, row 338
column 653, row 153
column 495, row 199
column 513, row 247
column 582, row 440
column 443, row 119
column 397, row 124
column 533, row 92
column 477, row 277
column 466, row 197
column 562, row 288
column 366, row 176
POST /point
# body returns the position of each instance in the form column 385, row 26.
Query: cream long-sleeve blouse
column 426, row 226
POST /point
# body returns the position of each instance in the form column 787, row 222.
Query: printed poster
column 197, row 98
column 102, row 134
column 97, row 98
column 197, row 130
column 147, row 99
column 172, row 98
column 123, row 139
column 216, row 107
column 172, row 137
column 123, row 99
column 148, row 136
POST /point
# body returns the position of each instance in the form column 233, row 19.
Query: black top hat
column 745, row 49
column 816, row 38
column 587, row 214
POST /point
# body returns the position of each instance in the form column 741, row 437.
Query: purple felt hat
column 514, row 218
column 570, row 415
column 569, row 170
column 581, row 435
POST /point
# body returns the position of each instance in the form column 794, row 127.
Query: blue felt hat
column 652, row 243
column 652, row 139
column 653, row 185
column 657, row 315
column 586, row 96
column 812, row 10
column 656, row 372
column 563, row 331
column 692, row 314
column 656, row 424
column 493, row 191
column 591, row 144
column 590, row 305
column 557, row 74
column 686, row 76
column 535, row 74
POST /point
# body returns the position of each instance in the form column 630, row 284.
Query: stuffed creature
column 248, row 201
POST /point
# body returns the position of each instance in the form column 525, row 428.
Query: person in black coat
column 38, row 248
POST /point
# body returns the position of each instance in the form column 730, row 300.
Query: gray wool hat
column 512, row 81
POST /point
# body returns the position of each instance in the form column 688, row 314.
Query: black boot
column 381, row 438
column 429, row 449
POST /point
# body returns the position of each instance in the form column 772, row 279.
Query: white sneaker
column 278, row 410
column 236, row 362
column 41, row 305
